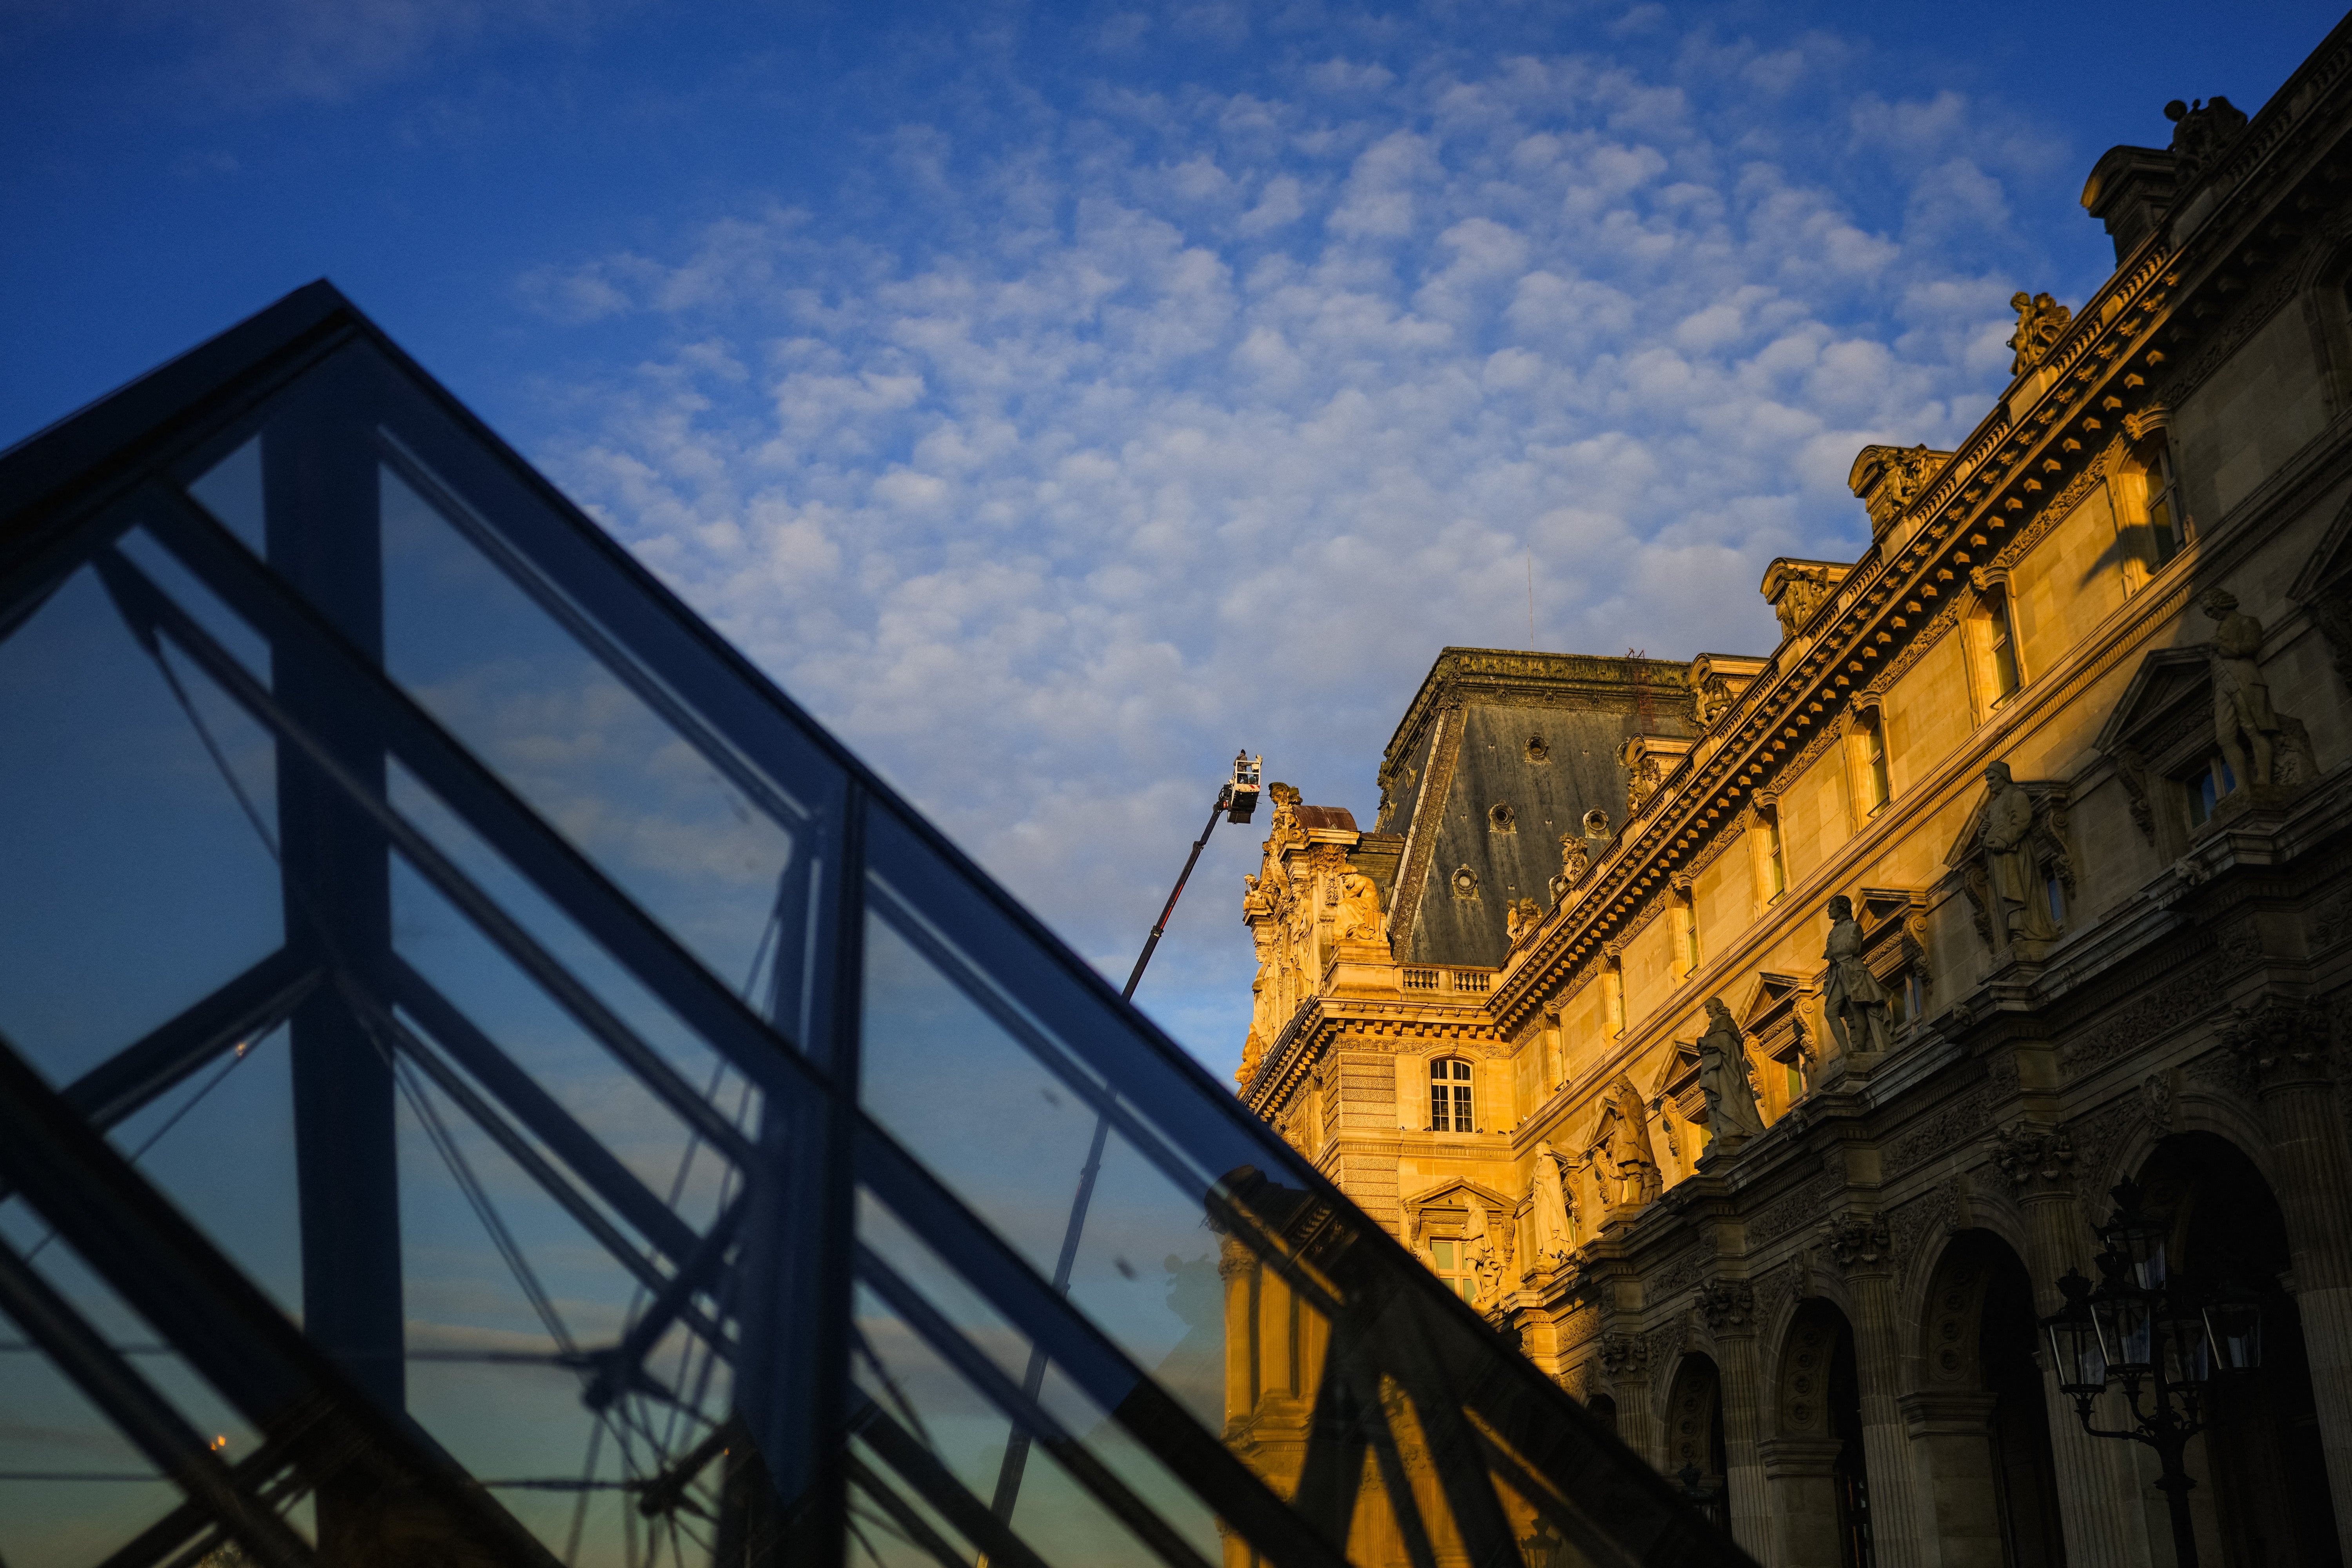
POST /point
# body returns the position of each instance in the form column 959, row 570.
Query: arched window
column 1450, row 1109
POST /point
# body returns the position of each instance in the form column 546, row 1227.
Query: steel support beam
column 224, row 1328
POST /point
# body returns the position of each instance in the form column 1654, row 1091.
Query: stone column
column 1859, row 1244
column 2098, row 1488
column 1626, row 1359
column 2288, row 1048
column 1235, row 1266
column 1800, row 1472
column 1729, row 1306
column 1960, row 1496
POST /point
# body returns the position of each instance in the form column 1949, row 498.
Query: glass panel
column 231, row 492
column 136, row 881
column 566, row 733
column 75, row 1488
column 1209, row 1307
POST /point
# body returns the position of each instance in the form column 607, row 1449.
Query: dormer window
column 1450, row 1108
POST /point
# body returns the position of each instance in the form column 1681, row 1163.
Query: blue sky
column 1054, row 398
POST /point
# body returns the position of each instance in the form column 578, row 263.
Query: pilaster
column 1730, row 1308
column 2288, row 1047
column 2097, row 1486
column 1864, row 1250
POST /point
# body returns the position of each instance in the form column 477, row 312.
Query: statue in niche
column 1575, row 859
column 1360, row 908
column 2244, row 721
column 1722, row 1077
column 1855, row 1006
column 2016, row 883
column 1554, row 1214
column 2041, row 321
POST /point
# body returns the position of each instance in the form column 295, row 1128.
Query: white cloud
column 1215, row 438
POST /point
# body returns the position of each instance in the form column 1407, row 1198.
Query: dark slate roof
column 1486, row 799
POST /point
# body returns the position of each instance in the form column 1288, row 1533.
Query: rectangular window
column 2003, row 639
column 1690, row 939
column 2206, row 790
column 1776, row 866
column 2165, row 531
column 1449, row 1097
column 1796, row 1081
column 1453, row 1268
column 1874, row 741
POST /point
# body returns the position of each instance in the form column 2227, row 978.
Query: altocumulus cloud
column 1096, row 431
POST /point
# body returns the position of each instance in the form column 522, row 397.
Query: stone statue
column 1360, row 908
column 1477, row 1243
column 1554, row 1216
column 1712, row 698
column 2020, row 905
column 2041, row 321
column 2201, row 131
column 1575, row 859
column 1722, row 1077
column 1624, row 1146
column 1641, row 782
column 1520, row 918
column 1855, row 1004
column 2243, row 719
column 1802, row 589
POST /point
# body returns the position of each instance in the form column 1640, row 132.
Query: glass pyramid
column 485, row 1078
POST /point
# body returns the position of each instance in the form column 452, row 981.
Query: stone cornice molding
column 2032, row 452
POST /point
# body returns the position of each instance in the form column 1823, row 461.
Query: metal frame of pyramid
column 769, row 1283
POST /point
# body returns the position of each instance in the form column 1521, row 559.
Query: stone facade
column 2073, row 742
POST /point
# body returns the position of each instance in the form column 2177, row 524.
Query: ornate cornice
column 2039, row 452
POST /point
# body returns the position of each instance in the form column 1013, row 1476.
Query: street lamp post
column 2160, row 1336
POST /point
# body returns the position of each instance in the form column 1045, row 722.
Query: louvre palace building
column 1756, row 1041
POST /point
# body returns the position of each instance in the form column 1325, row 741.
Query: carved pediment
column 2049, row 798
column 1447, row 1204
column 1677, row 1082
column 2329, row 570
column 2170, row 693
column 1458, row 1192
column 1773, row 1015
column 1876, row 908
column 1768, row 997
